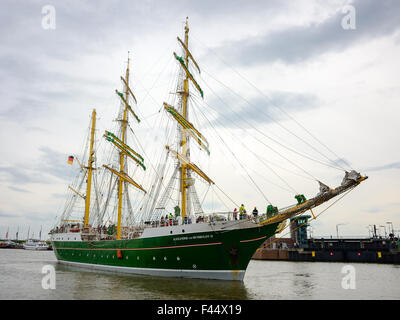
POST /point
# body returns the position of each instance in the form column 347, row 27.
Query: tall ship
column 158, row 234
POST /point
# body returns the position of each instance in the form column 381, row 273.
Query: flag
column 70, row 159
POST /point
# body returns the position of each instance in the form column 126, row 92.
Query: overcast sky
column 340, row 83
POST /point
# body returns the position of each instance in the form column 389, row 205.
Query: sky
column 266, row 66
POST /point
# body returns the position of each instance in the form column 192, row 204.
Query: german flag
column 70, row 159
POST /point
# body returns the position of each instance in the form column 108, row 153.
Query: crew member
column 255, row 213
column 242, row 212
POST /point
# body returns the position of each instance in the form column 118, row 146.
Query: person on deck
column 255, row 213
column 235, row 214
column 242, row 212
column 170, row 219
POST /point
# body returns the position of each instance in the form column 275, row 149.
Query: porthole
column 165, row 258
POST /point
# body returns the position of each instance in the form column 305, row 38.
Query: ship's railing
column 201, row 218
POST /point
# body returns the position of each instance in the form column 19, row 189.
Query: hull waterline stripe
column 185, row 273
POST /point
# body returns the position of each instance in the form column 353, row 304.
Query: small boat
column 32, row 244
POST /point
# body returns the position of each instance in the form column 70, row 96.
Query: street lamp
column 337, row 230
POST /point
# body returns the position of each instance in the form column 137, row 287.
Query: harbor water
column 23, row 276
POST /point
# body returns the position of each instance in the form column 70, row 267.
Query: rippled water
column 21, row 278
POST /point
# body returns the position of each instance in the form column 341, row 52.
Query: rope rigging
column 276, row 106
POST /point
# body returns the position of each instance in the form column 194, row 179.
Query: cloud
column 18, row 189
column 51, row 163
column 17, row 175
column 300, row 43
column 7, row 215
column 341, row 162
column 394, row 165
column 260, row 110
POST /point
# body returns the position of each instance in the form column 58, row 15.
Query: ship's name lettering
column 193, row 237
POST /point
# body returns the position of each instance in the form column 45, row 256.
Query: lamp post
column 337, row 230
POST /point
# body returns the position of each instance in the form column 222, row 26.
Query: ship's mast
column 122, row 154
column 90, row 169
column 184, row 145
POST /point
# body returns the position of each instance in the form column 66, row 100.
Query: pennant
column 70, row 159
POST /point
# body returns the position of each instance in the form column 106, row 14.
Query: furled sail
column 200, row 139
column 124, row 148
column 127, row 105
column 180, row 59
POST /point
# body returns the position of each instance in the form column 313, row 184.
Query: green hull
column 222, row 254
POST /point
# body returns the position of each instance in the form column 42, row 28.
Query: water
column 21, row 278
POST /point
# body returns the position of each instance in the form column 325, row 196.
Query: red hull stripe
column 126, row 249
column 253, row 239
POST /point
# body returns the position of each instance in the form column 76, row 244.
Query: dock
column 299, row 247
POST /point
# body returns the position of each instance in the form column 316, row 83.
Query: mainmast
column 90, row 169
column 187, row 128
column 184, row 142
